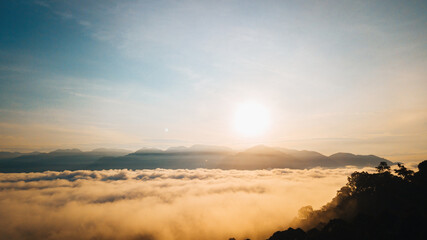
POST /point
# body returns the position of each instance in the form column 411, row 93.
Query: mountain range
column 196, row 156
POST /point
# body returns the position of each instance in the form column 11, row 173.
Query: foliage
column 383, row 167
column 371, row 206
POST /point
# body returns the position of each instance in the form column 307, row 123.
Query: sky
column 334, row 76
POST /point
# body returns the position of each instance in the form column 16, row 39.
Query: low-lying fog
column 160, row 204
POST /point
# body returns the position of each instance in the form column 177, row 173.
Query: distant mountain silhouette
column 263, row 157
column 111, row 151
column 147, row 151
column 58, row 160
column 196, row 156
column 8, row 155
column 260, row 157
column 312, row 158
column 198, row 148
column 344, row 159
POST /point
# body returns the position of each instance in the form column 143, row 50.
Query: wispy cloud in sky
column 326, row 70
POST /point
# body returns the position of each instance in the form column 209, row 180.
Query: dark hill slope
column 370, row 206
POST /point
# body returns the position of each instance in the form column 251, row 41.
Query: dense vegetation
column 383, row 205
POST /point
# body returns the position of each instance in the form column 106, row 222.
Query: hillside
column 382, row 205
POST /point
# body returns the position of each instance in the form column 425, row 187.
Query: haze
column 160, row 204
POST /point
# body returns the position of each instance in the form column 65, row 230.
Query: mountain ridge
column 196, row 156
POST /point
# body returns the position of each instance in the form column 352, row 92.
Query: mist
column 160, row 204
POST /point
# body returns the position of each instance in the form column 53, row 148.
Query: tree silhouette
column 379, row 205
column 383, row 167
column 404, row 172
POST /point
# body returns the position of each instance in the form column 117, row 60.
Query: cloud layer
column 160, row 204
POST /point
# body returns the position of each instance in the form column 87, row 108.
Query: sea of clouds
column 160, row 204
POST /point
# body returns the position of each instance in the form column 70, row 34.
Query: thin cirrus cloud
column 160, row 204
column 327, row 70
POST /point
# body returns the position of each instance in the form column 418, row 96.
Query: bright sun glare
column 251, row 119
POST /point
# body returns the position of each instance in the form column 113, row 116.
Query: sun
column 251, row 119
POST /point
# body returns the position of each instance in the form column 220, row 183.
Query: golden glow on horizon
column 251, row 119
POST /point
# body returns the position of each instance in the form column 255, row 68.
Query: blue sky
column 335, row 75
